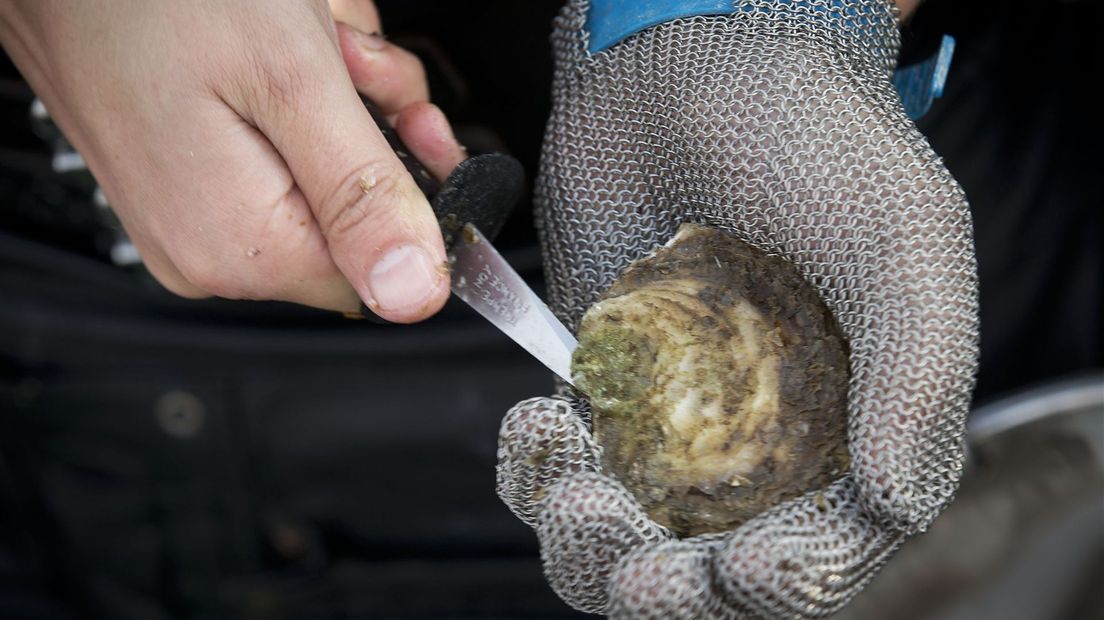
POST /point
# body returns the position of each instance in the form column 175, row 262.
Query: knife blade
column 475, row 199
column 487, row 283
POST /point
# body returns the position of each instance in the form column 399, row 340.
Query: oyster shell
column 718, row 381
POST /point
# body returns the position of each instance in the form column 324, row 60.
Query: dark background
column 164, row 458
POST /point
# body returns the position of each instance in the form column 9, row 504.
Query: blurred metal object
column 1035, row 405
column 67, row 161
column 66, row 158
column 1024, row 539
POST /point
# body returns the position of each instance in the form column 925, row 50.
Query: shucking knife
column 471, row 206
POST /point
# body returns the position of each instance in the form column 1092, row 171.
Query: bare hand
column 230, row 140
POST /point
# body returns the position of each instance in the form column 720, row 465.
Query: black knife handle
column 482, row 190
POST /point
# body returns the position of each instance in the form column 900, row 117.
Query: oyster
column 718, row 381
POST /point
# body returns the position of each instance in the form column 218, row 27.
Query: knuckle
column 369, row 194
column 278, row 74
column 397, row 78
column 411, row 65
column 281, row 84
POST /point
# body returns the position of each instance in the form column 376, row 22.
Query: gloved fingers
column 540, row 440
column 586, row 523
column 806, row 558
column 669, row 580
column 803, row 559
column 912, row 325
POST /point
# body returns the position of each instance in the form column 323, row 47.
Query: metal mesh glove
column 777, row 122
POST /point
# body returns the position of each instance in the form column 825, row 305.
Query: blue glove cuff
column 610, row 21
column 922, row 83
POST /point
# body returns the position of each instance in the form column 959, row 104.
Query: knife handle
column 482, row 190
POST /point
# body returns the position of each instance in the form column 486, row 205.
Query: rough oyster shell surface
column 718, row 380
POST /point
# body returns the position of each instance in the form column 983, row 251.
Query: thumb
column 380, row 230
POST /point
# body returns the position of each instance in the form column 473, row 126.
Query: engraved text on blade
column 495, row 293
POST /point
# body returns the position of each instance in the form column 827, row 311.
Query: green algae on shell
column 718, row 380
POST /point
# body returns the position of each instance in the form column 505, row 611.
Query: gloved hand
column 777, row 122
column 230, row 140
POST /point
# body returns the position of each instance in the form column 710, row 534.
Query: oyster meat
column 718, row 380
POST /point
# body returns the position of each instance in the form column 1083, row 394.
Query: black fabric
column 1019, row 127
column 337, row 467
column 344, row 469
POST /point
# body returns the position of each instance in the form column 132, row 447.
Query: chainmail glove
column 778, row 122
